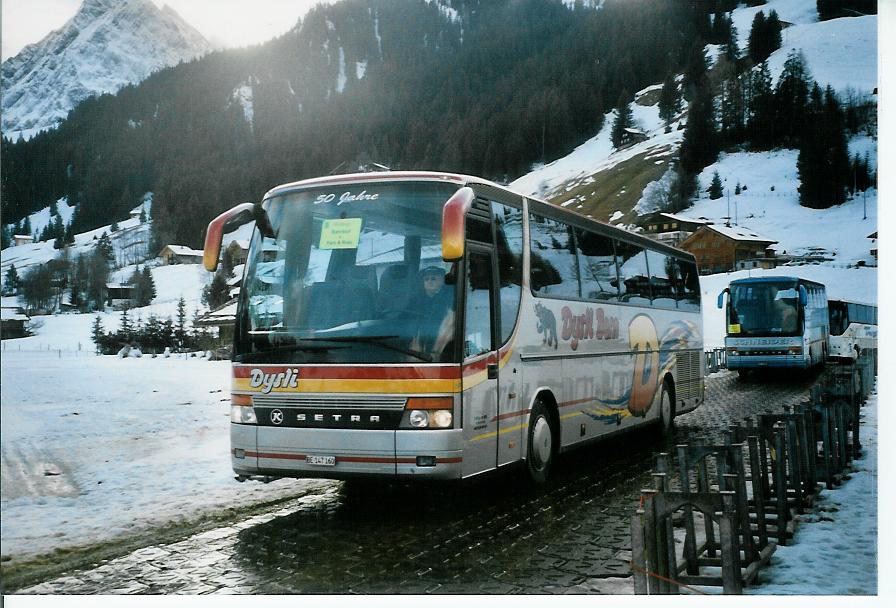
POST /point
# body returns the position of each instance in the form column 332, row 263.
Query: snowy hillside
column 106, row 45
column 839, row 52
column 130, row 242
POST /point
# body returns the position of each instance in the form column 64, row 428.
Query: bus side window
column 631, row 262
column 662, row 278
column 597, row 266
column 690, row 299
column 554, row 267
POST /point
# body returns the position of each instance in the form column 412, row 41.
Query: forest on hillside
column 501, row 86
column 507, row 84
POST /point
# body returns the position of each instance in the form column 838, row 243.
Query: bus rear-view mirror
column 454, row 223
column 226, row 222
column 804, row 296
column 720, row 301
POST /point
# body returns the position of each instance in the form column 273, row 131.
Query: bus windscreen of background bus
column 764, row 309
column 334, row 282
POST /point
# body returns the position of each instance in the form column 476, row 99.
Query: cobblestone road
column 491, row 536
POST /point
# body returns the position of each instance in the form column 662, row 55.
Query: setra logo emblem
column 277, row 417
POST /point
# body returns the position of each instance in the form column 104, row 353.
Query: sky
column 222, row 22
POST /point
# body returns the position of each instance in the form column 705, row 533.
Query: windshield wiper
column 378, row 341
column 286, row 348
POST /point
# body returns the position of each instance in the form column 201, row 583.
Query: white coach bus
column 853, row 329
column 428, row 325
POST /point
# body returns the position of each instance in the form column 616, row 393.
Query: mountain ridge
column 105, row 46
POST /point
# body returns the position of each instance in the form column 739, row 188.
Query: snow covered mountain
column 106, row 45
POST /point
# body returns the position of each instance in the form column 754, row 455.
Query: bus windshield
column 764, row 309
column 351, row 274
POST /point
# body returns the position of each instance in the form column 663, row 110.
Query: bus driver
column 434, row 308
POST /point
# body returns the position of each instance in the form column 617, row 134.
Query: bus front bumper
column 767, row 361
column 343, row 454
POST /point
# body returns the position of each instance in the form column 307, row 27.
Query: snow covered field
column 97, row 447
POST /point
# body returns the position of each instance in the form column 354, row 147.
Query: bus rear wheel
column 541, row 448
column 667, row 410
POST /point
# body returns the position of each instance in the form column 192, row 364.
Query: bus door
column 480, row 367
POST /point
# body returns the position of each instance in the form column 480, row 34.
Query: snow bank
column 126, row 444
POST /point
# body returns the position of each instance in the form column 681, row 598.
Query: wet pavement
column 489, row 536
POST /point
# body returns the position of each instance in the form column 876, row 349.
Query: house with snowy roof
column 223, row 318
column 723, row 248
column 180, row 254
column 238, row 250
column 669, row 228
column 13, row 322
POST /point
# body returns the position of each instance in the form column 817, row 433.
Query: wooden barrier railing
column 739, row 500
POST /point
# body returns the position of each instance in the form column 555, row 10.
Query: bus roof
column 774, row 279
column 377, row 176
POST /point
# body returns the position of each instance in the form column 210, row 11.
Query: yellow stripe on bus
column 400, row 387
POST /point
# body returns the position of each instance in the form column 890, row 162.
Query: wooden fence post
column 690, row 534
column 639, row 550
column 731, row 580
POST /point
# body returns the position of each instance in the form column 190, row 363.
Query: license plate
column 322, row 461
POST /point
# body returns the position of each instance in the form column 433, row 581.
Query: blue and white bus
column 775, row 322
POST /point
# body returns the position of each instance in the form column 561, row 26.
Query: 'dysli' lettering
column 268, row 382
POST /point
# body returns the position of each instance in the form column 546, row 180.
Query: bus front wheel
column 541, row 450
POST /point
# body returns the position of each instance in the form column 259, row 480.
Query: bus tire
column 667, row 409
column 541, row 448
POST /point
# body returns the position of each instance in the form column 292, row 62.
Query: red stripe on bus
column 511, row 415
column 358, row 373
column 576, row 402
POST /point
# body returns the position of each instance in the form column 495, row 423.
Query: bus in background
column 414, row 325
column 853, row 329
column 775, row 322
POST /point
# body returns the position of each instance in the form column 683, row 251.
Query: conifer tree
column 791, row 97
column 96, row 332
column 180, row 330
column 623, row 119
column 696, row 69
column 756, row 42
column 715, row 188
column 760, row 125
column 823, row 163
column 765, row 36
column 11, row 281
column 149, row 284
column 669, row 102
column 125, row 328
column 732, row 111
column 731, row 48
column 104, row 247
column 699, row 143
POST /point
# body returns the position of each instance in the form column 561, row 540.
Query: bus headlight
column 418, row 419
column 242, row 414
column 428, row 413
column 441, row 419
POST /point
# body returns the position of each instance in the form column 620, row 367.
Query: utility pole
column 728, row 198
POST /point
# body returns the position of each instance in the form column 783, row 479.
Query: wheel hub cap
column 541, row 442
